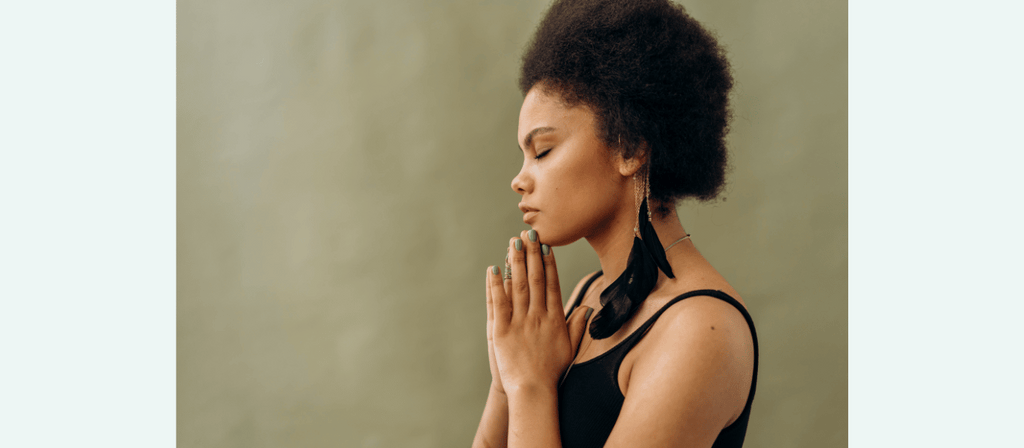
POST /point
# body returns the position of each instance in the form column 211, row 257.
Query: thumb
column 577, row 325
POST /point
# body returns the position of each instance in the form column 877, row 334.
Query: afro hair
column 657, row 81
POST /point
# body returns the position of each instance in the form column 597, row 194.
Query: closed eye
column 543, row 154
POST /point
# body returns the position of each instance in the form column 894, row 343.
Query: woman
column 625, row 113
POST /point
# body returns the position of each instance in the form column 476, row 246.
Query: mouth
column 528, row 212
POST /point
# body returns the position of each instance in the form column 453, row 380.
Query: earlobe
column 627, row 167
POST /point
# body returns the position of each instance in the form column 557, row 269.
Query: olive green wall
column 343, row 181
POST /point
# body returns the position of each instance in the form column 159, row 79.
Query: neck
column 614, row 242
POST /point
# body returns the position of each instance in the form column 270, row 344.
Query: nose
column 522, row 182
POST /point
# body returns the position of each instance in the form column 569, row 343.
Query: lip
column 525, row 208
column 529, row 215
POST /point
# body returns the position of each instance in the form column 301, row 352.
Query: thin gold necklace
column 677, row 242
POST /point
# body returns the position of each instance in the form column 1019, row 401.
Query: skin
column 683, row 382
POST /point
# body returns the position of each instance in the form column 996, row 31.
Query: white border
column 935, row 205
column 87, row 233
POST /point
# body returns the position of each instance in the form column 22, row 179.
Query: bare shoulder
column 691, row 377
column 576, row 291
column 704, row 332
column 702, row 317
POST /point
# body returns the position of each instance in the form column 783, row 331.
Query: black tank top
column 589, row 400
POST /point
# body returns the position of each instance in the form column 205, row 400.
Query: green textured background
column 343, row 181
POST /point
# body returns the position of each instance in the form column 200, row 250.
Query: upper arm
column 691, row 380
column 576, row 291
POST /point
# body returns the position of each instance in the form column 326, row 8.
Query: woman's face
column 571, row 183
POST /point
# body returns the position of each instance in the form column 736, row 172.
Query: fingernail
column 519, row 244
column 545, row 249
column 532, row 234
column 587, row 316
column 494, row 270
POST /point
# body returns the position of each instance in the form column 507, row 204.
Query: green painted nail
column 545, row 249
column 494, row 270
column 532, row 234
column 519, row 244
column 586, row 317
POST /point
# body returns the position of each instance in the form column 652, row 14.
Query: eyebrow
column 529, row 137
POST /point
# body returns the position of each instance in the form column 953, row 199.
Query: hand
column 530, row 343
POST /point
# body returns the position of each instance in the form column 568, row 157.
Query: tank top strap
column 637, row 335
column 583, row 291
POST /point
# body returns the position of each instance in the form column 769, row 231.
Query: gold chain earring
column 636, row 203
column 647, row 188
column 641, row 191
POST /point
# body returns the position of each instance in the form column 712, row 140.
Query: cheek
column 577, row 204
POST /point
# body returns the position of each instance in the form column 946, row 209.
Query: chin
column 553, row 236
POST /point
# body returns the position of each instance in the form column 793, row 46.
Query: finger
column 534, row 272
column 490, row 300
column 553, row 290
column 577, row 325
column 520, row 290
column 501, row 305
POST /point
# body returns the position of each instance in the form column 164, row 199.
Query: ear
column 627, row 167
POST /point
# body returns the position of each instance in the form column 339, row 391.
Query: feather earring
column 646, row 228
column 624, row 295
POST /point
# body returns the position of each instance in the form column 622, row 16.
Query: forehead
column 541, row 109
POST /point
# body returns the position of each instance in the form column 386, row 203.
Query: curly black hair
column 657, row 81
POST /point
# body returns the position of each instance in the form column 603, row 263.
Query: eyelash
column 542, row 154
